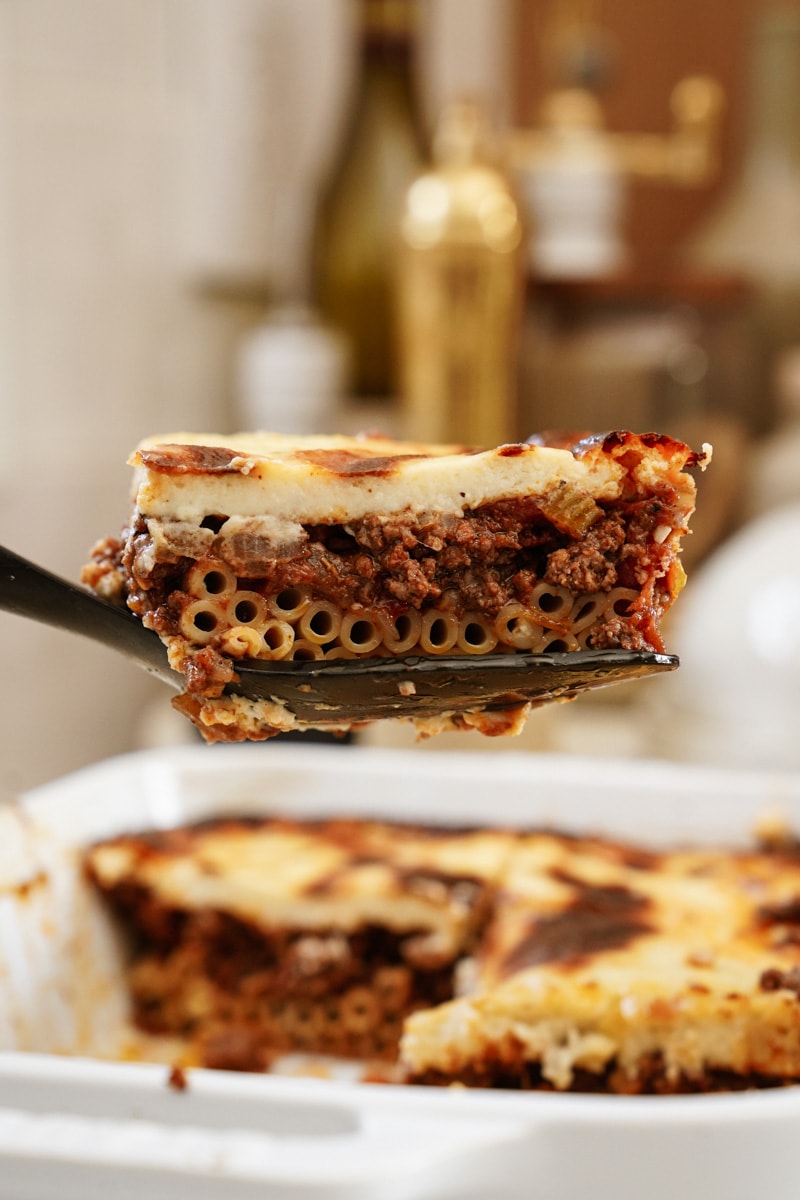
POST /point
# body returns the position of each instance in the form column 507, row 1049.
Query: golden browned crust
column 245, row 454
column 631, row 970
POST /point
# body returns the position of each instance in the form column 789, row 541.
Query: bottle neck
column 389, row 24
column 388, row 62
column 388, row 36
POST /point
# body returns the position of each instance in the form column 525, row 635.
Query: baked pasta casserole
column 262, row 546
column 266, row 935
column 492, row 958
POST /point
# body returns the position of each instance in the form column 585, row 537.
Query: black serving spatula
column 344, row 690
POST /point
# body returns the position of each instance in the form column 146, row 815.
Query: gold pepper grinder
column 460, row 287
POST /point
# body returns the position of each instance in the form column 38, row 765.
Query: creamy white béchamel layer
column 334, row 479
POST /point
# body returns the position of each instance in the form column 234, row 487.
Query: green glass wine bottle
column 359, row 214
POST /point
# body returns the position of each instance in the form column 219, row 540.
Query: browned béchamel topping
column 609, row 967
column 506, row 959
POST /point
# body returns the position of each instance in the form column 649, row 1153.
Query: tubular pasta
column 277, row 640
column 241, row 641
column 305, row 651
column 290, row 603
column 360, row 632
column 289, row 1022
column 476, row 635
column 515, row 627
column 289, row 624
column 313, row 1024
column 331, row 1017
column 248, row 608
column 551, row 606
column 586, row 610
column 402, row 633
column 303, row 1017
column 209, row 580
column 559, row 643
column 393, row 985
column 584, row 638
column 320, row 623
column 439, row 632
column 202, row 620
column 360, row 1010
column 618, row 602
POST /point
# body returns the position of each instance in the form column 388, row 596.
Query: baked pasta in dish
column 496, row 959
column 262, row 546
column 253, row 937
column 615, row 969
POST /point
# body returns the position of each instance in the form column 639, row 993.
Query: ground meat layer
column 478, row 562
column 237, row 990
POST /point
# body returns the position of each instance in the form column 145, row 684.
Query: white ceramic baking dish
column 75, row 1123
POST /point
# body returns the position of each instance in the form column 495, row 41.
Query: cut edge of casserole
column 253, row 937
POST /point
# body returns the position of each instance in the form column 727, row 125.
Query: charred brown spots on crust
column 583, row 444
column 348, row 462
column 327, row 884
column 512, row 450
column 787, row 912
column 191, row 460
column 438, row 887
column 596, row 918
column 620, row 439
column 774, row 980
column 351, row 836
column 782, row 920
column 152, row 843
column 637, row 858
column 22, row 890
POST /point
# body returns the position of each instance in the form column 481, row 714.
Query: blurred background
column 468, row 219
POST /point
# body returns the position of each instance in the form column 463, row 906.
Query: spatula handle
column 30, row 591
